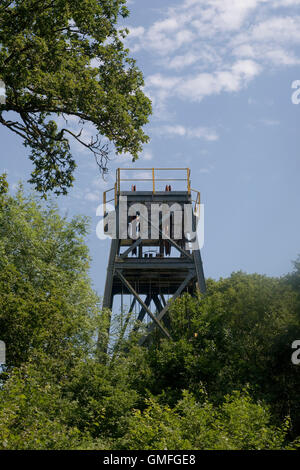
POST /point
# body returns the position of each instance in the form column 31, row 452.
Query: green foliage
column 244, row 328
column 237, row 424
column 230, row 353
column 46, row 300
column 104, row 398
column 293, row 279
column 3, row 184
column 33, row 413
column 65, row 59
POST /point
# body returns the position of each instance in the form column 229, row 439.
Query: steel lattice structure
column 148, row 259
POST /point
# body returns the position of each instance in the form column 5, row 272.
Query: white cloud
column 206, row 55
column 206, row 47
column 137, row 32
column 178, row 130
column 103, row 184
column 196, row 87
column 269, row 122
column 93, row 197
column 181, row 61
column 194, row 19
column 162, row 82
column 270, row 41
column 282, row 57
column 277, row 56
column 203, row 133
column 285, row 3
column 277, row 29
column 147, row 155
column 224, row 16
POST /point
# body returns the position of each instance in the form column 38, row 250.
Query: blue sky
column 219, row 73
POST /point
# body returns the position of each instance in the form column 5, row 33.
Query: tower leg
column 159, row 308
column 108, row 297
column 166, row 308
column 199, row 271
column 103, row 336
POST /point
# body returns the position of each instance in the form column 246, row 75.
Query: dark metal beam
column 154, row 263
column 163, row 299
column 108, row 298
column 157, row 302
column 166, row 308
column 199, row 270
column 103, row 339
column 143, row 311
column 153, row 317
column 166, row 237
column 124, row 327
column 159, row 307
column 131, row 248
column 132, row 305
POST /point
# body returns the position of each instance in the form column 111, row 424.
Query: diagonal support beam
column 157, row 302
column 163, row 299
column 199, row 270
column 132, row 305
column 131, row 248
column 159, row 308
column 153, row 317
column 178, row 247
column 123, row 329
column 166, row 237
column 143, row 311
column 182, row 286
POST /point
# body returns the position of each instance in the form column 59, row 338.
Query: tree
column 294, row 278
column 239, row 333
column 47, row 304
column 237, row 424
column 230, row 352
column 65, row 59
column 34, row 413
column 54, row 392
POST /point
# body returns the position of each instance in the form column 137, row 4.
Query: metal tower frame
column 132, row 269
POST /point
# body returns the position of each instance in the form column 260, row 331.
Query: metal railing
column 154, row 179
column 106, row 200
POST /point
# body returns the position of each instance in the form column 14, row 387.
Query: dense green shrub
column 225, row 381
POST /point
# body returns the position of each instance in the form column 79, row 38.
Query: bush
column 236, row 425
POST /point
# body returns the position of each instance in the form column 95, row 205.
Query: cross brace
column 143, row 305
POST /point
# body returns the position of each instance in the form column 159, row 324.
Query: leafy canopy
column 238, row 424
column 231, row 386
column 47, row 304
column 65, row 59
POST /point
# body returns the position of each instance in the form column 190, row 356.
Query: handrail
column 117, row 186
column 105, row 201
column 153, row 178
